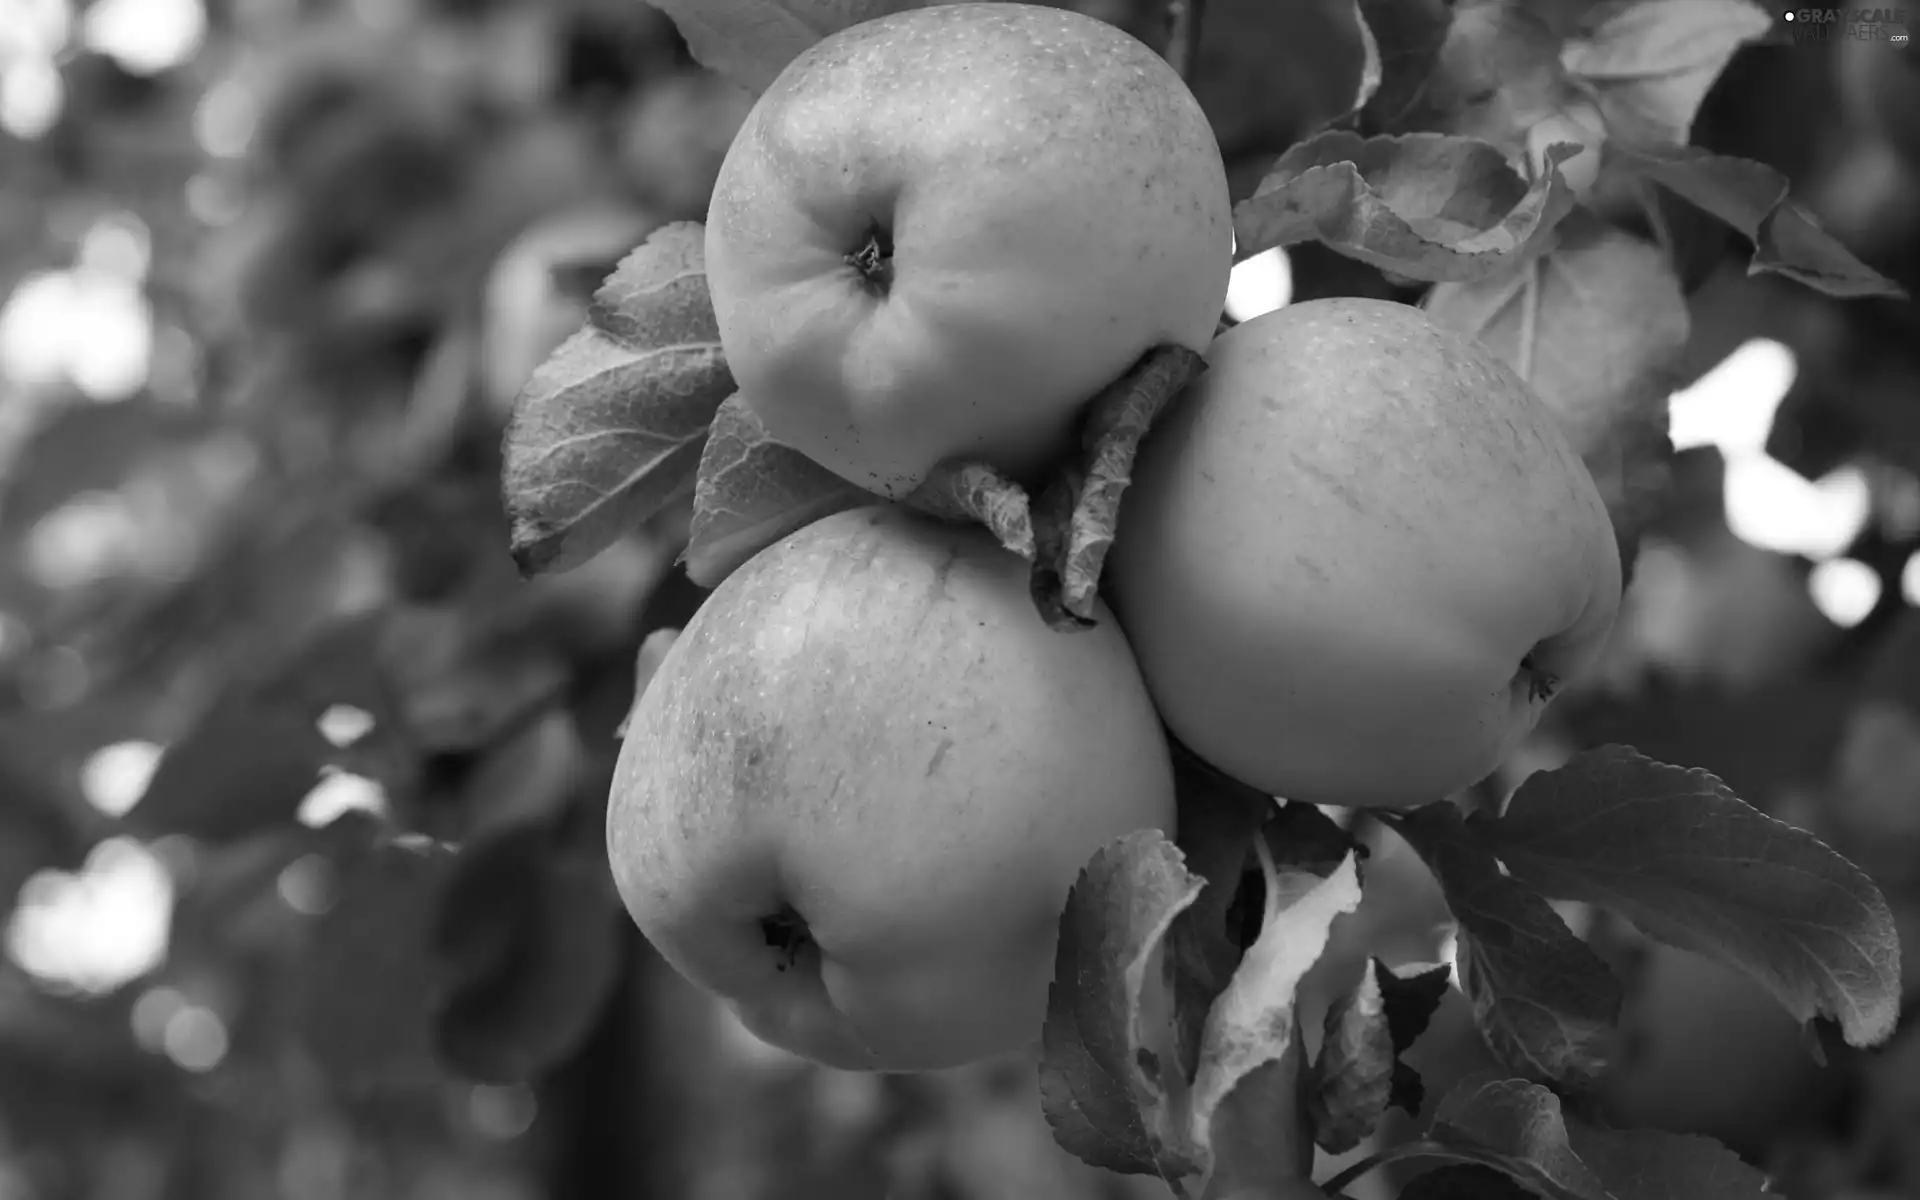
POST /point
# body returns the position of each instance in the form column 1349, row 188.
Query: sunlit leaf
column 1729, row 882
column 610, row 428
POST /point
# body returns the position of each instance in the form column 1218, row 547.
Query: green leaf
column 610, row 429
column 1650, row 62
column 1359, row 1073
column 1353, row 1076
column 76, row 448
column 239, row 770
column 1246, row 1115
column 1543, row 1000
column 1792, row 242
column 1647, row 1164
column 1726, row 881
column 752, row 492
column 1408, row 35
column 1219, row 818
column 369, row 983
column 1515, row 1126
column 750, row 41
column 1422, row 205
column 464, row 685
column 1114, row 1081
column 527, row 948
column 1496, row 74
column 530, row 776
column 1753, row 198
column 1109, row 1011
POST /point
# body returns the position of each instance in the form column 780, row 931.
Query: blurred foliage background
column 301, row 876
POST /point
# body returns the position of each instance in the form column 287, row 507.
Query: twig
column 1380, row 1158
column 1332, row 1186
column 1529, row 317
column 1183, row 40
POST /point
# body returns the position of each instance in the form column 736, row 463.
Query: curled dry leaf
column 751, row 492
column 1053, row 528
column 1067, row 569
column 1421, row 205
column 976, row 492
column 610, row 428
column 1066, row 531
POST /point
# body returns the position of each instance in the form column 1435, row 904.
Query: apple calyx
column 873, row 261
column 786, row 932
column 1541, row 685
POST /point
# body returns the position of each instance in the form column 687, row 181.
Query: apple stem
column 1379, row 1160
column 874, row 259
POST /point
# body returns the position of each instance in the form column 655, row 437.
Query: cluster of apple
column 1353, row 562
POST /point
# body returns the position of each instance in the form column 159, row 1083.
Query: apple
column 1358, row 557
column 940, row 233
column 855, row 794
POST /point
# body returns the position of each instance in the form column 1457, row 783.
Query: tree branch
column 1183, row 40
